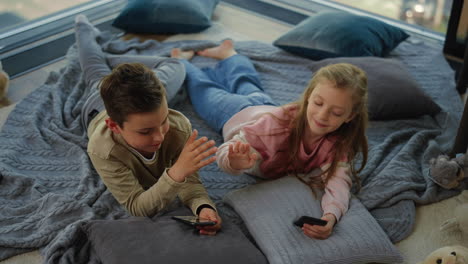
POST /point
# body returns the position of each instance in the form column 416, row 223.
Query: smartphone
column 193, row 221
column 309, row 220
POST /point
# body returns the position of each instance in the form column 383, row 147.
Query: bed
column 49, row 190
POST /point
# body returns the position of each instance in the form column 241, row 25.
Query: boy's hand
column 240, row 157
column 320, row 232
column 212, row 215
column 194, row 156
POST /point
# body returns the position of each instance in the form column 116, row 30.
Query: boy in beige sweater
column 145, row 153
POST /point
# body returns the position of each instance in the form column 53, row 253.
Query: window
column 18, row 13
column 427, row 18
column 25, row 21
column 29, row 37
column 431, row 14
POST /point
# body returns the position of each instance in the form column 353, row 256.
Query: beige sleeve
column 126, row 189
column 193, row 194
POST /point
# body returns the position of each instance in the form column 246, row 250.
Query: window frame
column 42, row 41
column 452, row 47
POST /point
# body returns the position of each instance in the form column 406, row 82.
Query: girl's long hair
column 351, row 136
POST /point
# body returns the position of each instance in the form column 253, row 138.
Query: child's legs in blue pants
column 237, row 74
column 217, row 94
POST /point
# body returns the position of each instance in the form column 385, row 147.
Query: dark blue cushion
column 341, row 34
column 165, row 16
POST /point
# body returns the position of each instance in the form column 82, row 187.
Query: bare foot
column 223, row 51
column 179, row 54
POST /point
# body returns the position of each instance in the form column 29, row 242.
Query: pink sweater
column 268, row 137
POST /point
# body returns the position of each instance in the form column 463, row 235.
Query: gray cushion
column 393, row 93
column 339, row 34
column 164, row 240
column 269, row 209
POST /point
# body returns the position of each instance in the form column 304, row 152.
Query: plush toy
column 449, row 173
column 448, row 255
column 459, row 223
column 4, row 81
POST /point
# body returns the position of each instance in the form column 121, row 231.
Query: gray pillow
column 269, row 209
column 393, row 93
column 164, row 240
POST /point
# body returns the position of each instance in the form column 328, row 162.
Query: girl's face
column 145, row 131
column 328, row 108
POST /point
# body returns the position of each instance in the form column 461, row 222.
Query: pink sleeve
column 337, row 193
column 223, row 160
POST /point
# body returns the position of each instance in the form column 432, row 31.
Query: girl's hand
column 320, row 232
column 240, row 157
column 211, row 215
column 194, row 156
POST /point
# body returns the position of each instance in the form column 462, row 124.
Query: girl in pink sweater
column 324, row 130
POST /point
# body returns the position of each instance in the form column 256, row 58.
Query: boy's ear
column 113, row 126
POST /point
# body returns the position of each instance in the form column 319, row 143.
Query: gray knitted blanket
column 48, row 186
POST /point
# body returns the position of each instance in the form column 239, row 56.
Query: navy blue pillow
column 165, row 16
column 341, row 34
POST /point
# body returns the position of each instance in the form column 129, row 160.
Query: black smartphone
column 193, row 220
column 309, row 220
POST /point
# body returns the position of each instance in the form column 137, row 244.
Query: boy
column 144, row 152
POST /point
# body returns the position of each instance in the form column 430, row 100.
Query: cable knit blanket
column 48, row 186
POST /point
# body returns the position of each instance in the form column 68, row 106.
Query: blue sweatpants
column 220, row 92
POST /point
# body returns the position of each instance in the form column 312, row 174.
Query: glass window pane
column 430, row 14
column 17, row 13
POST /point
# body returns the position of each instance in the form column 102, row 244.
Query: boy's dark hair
column 131, row 88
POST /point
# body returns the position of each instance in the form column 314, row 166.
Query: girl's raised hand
column 320, row 232
column 194, row 156
column 240, row 157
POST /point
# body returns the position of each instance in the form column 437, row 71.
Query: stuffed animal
column 448, row 255
column 4, row 81
column 448, row 173
column 459, row 223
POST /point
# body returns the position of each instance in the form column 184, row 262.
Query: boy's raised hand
column 194, row 156
column 240, row 157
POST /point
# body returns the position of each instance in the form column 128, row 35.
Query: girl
column 324, row 129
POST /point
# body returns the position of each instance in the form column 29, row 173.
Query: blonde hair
column 351, row 136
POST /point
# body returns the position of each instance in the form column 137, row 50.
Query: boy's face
column 144, row 131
